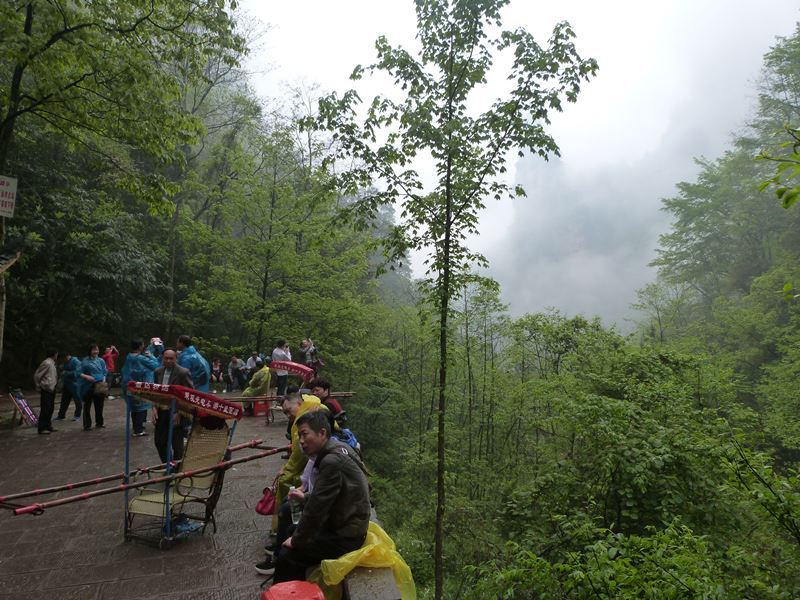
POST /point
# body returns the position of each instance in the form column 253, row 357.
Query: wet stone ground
column 77, row 551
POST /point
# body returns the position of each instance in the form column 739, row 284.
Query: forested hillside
column 159, row 196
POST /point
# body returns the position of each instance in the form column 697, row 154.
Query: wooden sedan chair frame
column 305, row 374
column 208, row 443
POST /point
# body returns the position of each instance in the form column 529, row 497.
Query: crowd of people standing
column 84, row 382
column 88, row 382
column 323, row 477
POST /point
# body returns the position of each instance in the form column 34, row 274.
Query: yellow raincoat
column 297, row 460
column 259, row 384
column 378, row 551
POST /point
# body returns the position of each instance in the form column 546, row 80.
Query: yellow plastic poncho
column 297, row 460
column 259, row 384
column 378, row 551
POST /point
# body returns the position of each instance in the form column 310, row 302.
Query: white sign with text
column 8, row 196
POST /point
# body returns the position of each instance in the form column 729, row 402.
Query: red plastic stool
column 260, row 407
column 293, row 590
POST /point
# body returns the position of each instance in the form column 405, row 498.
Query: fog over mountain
column 677, row 79
column 582, row 239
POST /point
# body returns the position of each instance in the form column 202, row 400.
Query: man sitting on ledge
column 336, row 513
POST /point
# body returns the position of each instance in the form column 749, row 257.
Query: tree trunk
column 421, row 375
column 14, row 96
column 490, row 429
column 6, row 134
column 6, row 137
column 173, row 251
column 444, row 306
column 470, row 380
column 273, row 199
column 2, row 290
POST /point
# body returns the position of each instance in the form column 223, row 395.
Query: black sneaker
column 265, row 567
column 44, row 432
column 58, row 419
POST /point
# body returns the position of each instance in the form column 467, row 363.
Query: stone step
column 363, row 583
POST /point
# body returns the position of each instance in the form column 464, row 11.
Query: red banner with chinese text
column 188, row 400
column 293, row 368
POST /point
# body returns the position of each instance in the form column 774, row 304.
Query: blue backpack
column 347, row 436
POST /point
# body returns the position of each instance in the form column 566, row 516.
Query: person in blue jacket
column 191, row 359
column 93, row 371
column 139, row 366
column 69, row 390
column 156, row 348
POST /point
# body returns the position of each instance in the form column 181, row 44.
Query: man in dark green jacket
column 336, row 513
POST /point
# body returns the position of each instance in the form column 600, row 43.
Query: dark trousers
column 281, row 381
column 161, row 436
column 285, row 525
column 241, row 380
column 291, row 564
column 98, row 400
column 47, row 402
column 138, row 418
column 67, row 396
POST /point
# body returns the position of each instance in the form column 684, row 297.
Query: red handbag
column 266, row 506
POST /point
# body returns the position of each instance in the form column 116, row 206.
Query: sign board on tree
column 8, row 196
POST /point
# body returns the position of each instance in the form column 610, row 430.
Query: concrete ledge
column 363, row 583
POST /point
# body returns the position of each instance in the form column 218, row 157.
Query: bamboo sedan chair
column 169, row 510
column 182, row 497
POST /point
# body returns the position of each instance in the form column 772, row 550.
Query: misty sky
column 677, row 79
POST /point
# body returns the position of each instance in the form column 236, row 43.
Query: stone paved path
column 77, row 551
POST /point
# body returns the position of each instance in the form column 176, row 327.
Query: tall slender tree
column 100, row 73
column 435, row 120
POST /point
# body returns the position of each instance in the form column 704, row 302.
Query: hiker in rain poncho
column 138, row 367
column 191, row 359
column 294, row 406
column 156, row 348
column 259, row 384
column 93, row 372
column 70, row 390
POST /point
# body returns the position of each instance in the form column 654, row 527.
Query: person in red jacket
column 321, row 388
column 109, row 357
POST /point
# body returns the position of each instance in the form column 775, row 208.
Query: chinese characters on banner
column 8, row 196
column 187, row 399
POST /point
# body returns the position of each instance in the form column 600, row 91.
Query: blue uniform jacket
column 96, row 367
column 72, row 375
column 156, row 350
column 137, row 367
column 191, row 359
